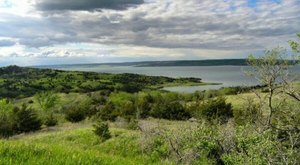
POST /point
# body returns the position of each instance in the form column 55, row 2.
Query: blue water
column 227, row 75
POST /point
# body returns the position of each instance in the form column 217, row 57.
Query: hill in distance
column 218, row 62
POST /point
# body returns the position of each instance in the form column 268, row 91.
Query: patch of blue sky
column 254, row 3
column 6, row 4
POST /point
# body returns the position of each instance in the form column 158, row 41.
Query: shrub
column 26, row 119
column 128, row 110
column 98, row 98
column 107, row 112
column 143, row 104
column 74, row 114
column 50, row 120
column 173, row 111
column 216, row 108
column 102, row 130
column 133, row 124
column 248, row 114
column 78, row 111
column 6, row 127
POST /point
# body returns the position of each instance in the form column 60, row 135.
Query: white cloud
column 158, row 28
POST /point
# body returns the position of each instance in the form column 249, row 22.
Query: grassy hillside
column 20, row 82
column 120, row 124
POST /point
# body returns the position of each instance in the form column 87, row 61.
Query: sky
column 47, row 32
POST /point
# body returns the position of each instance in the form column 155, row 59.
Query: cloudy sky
column 39, row 32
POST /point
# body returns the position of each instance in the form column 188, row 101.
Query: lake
column 227, row 75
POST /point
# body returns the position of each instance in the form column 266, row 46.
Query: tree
column 273, row 70
column 290, row 90
column 47, row 100
column 295, row 45
column 6, row 124
column 26, row 119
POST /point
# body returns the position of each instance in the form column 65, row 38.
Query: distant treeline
column 236, row 62
column 20, row 82
column 218, row 62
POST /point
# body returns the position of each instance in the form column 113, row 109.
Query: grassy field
column 74, row 144
column 77, row 144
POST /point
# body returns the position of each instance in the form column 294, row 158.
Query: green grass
column 74, row 144
column 174, row 84
column 77, row 144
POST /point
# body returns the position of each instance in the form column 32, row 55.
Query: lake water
column 227, row 75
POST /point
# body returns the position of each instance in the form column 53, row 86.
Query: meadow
column 66, row 117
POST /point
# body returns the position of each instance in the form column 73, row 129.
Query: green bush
column 133, row 124
column 26, row 119
column 173, row 111
column 108, row 112
column 6, row 127
column 101, row 129
column 216, row 108
column 143, row 103
column 6, row 122
column 74, row 113
column 128, row 110
column 50, row 120
column 249, row 114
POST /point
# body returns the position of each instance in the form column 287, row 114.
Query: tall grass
column 79, row 146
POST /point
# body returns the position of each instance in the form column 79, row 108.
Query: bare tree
column 271, row 71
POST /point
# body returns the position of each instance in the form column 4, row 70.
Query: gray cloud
column 7, row 43
column 50, row 5
column 193, row 24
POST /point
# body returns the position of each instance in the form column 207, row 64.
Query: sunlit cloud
column 144, row 30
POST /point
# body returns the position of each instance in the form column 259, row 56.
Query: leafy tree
column 273, row 71
column 47, row 100
column 6, row 123
column 295, row 45
column 26, row 119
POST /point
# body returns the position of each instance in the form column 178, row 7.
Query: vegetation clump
column 101, row 129
column 215, row 108
column 74, row 113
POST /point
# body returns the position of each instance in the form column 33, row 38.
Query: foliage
column 50, row 120
column 47, row 100
column 6, row 122
column 295, row 45
column 6, row 126
column 144, row 104
column 273, row 71
column 75, row 112
column 21, row 82
column 169, row 110
column 101, row 129
column 26, row 119
column 215, row 108
column 250, row 113
column 108, row 112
